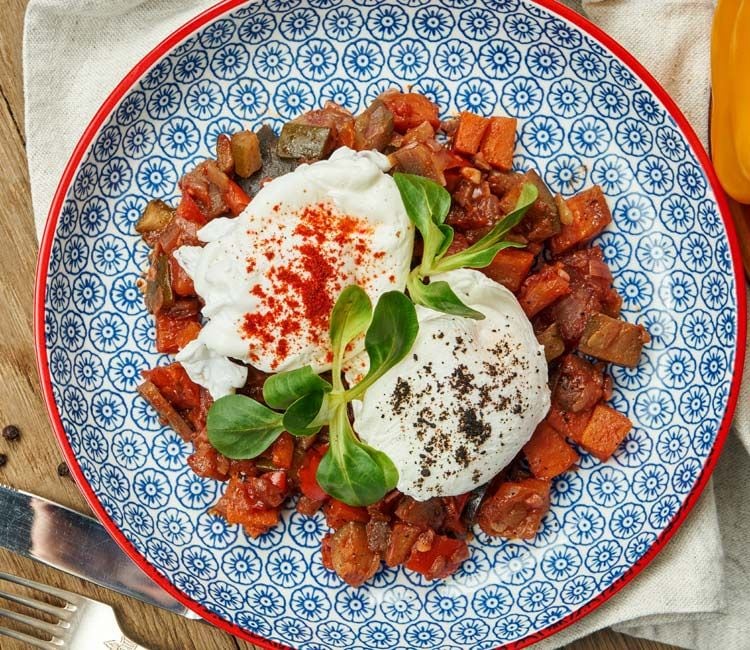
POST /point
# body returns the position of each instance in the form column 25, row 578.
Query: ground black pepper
column 11, row 432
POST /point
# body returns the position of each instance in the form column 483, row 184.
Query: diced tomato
column 181, row 282
column 236, row 198
column 282, row 451
column 173, row 382
column 179, row 232
column 441, row 560
column 259, row 522
column 547, row 452
column 169, row 332
column 410, row 110
column 338, row 513
column 188, row 209
column 471, row 129
column 308, row 481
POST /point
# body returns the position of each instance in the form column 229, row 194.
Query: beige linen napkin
column 696, row 594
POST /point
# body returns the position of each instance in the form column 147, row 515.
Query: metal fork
column 82, row 623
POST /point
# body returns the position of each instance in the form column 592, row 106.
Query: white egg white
column 459, row 407
column 241, row 255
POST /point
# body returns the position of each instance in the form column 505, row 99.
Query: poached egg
column 464, row 401
column 270, row 277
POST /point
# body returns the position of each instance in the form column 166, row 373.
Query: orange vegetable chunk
column 604, row 431
column 516, row 509
column 510, row 267
column 499, row 142
column 469, row 134
column 547, row 452
column 589, row 215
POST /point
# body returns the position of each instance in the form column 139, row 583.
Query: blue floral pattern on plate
column 584, row 118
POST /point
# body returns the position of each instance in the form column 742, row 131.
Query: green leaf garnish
column 350, row 317
column 389, row 338
column 350, row 471
column 304, row 417
column 440, row 297
column 353, row 472
column 427, row 204
column 280, row 391
column 239, row 427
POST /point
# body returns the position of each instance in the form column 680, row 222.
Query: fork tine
column 41, row 626
column 61, row 613
column 62, row 594
column 31, row 640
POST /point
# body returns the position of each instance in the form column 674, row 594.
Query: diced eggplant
column 165, row 410
column 613, row 340
column 246, row 153
column 272, row 165
column 417, row 158
column 156, row 216
column 304, row 141
column 373, row 128
column 159, row 294
column 550, row 338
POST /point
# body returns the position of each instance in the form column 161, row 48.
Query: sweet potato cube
column 589, row 214
column 543, row 288
column 548, row 453
column 569, row 424
column 469, row 134
column 516, row 509
column 510, row 268
column 613, row 340
column 604, row 431
column 499, row 142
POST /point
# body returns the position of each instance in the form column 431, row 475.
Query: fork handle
column 123, row 643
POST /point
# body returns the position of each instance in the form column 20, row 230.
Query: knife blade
column 64, row 539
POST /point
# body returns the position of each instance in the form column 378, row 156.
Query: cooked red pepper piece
column 442, row 559
column 170, row 331
column 308, row 482
column 282, row 451
column 338, row 513
column 236, row 198
column 410, row 110
column 189, row 210
column 182, row 283
column 173, row 382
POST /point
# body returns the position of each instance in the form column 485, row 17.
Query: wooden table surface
column 33, row 460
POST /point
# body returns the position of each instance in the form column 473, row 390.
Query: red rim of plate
column 46, row 381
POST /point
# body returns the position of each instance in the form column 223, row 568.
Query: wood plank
column 33, row 460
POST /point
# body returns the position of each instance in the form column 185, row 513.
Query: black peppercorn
column 63, row 470
column 11, row 432
column 3, row 460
